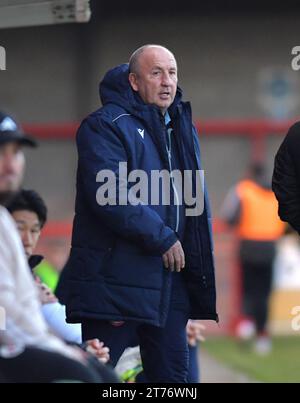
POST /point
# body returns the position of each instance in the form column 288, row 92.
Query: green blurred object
column 281, row 366
column 130, row 365
column 130, row 375
column 48, row 275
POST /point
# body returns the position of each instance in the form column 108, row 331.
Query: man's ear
column 133, row 81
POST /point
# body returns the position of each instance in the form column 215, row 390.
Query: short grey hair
column 135, row 57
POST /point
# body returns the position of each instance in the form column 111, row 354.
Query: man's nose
column 166, row 79
column 27, row 238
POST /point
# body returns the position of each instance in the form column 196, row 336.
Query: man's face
column 12, row 163
column 29, row 229
column 156, row 79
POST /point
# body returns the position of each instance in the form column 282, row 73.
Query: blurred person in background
column 251, row 208
column 140, row 268
column 29, row 211
column 28, row 351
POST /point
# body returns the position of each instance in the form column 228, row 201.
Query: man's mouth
column 164, row 94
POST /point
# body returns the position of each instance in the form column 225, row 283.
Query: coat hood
column 116, row 89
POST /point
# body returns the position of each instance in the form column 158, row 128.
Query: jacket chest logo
column 141, row 132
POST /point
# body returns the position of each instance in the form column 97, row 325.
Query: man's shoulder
column 293, row 135
column 109, row 113
column 108, row 121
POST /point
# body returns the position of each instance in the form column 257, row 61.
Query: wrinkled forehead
column 155, row 56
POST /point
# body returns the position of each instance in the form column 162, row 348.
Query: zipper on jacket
column 169, row 151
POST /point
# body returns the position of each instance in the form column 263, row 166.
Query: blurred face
column 12, row 163
column 156, row 79
column 29, row 229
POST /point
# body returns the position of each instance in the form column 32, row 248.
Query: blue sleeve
column 100, row 148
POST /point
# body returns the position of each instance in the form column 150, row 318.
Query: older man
column 138, row 266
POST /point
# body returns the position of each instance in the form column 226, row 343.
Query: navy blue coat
column 115, row 270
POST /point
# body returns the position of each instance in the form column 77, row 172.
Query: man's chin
column 7, row 197
column 165, row 105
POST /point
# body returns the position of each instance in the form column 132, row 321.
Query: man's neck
column 163, row 111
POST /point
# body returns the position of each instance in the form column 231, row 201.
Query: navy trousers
column 164, row 351
column 194, row 370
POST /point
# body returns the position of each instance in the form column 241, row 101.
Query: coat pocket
column 127, row 266
column 87, row 264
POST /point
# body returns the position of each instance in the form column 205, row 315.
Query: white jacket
column 25, row 325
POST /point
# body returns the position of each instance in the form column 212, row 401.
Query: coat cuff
column 168, row 243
